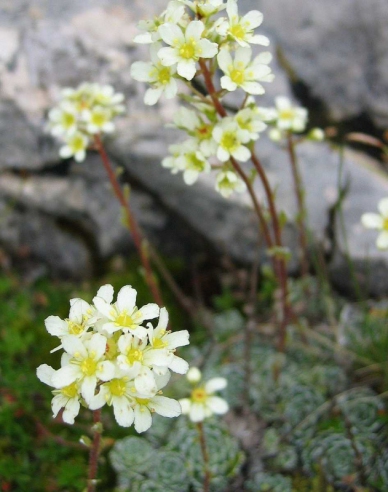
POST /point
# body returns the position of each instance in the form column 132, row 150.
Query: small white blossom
column 202, row 402
column 75, row 145
column 86, row 365
column 162, row 339
column 124, row 314
column 241, row 29
column 198, row 129
column 289, row 117
column 188, row 159
column 159, row 76
column 98, row 120
column 231, row 139
column 378, row 222
column 63, row 119
column 244, row 73
column 248, row 119
column 67, row 397
column 227, row 182
column 186, row 48
column 316, row 134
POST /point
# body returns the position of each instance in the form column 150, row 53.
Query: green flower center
column 164, row 75
column 237, row 31
column 142, row 401
column 71, row 391
column 68, row 120
column 203, row 132
column 89, row 366
column 286, row 114
column 229, row 141
column 159, row 344
column 117, row 387
column 75, row 328
column 125, row 320
column 77, row 143
column 98, row 119
column 187, row 50
column 199, row 395
column 194, row 163
column 385, row 224
column 237, row 76
column 134, row 355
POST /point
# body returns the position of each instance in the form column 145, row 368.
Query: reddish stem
column 132, row 224
column 94, row 452
column 298, row 187
column 202, row 440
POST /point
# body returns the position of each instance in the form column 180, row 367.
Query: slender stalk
column 133, row 227
column 94, row 452
column 280, row 264
column 301, row 218
column 205, row 455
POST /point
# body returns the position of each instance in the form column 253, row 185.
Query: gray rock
column 338, row 49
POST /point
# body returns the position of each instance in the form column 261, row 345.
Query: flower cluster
column 82, row 114
column 111, row 358
column 378, row 222
column 187, row 36
column 202, row 402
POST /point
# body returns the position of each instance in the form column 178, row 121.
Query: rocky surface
column 338, row 49
column 65, row 217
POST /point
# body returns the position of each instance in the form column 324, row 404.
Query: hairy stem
column 299, row 193
column 94, row 452
column 205, row 455
column 133, row 227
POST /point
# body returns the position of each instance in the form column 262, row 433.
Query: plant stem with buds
column 94, row 451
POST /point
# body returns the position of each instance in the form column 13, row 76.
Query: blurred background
column 60, row 218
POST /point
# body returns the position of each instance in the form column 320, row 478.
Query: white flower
column 160, row 77
column 227, row 182
column 316, row 134
column 117, row 393
column 162, row 339
column 186, row 48
column 275, row 134
column 144, row 407
column 230, row 138
column 67, row 397
column 63, row 119
column 75, row 145
column 188, row 159
column 174, row 14
column 378, row 222
column 197, row 128
column 244, row 73
column 248, row 119
column 138, row 359
column 202, row 402
column 98, row 119
column 289, row 117
column 241, row 28
column 86, row 365
column 205, row 8
column 124, row 314
column 106, row 96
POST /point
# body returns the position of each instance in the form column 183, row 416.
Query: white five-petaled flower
column 202, row 402
column 378, row 222
column 240, row 28
column 81, row 317
column 86, row 364
column 289, row 117
column 188, row 159
column 248, row 119
column 227, row 182
column 98, row 119
column 68, row 397
column 231, row 139
column 243, row 72
column 159, row 76
column 162, row 339
column 76, row 145
column 63, row 119
column 124, row 314
column 186, row 48
column 198, row 128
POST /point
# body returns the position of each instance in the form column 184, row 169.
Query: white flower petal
column 197, row 412
column 194, row 30
column 143, row 418
column 123, row 412
column 106, row 293
column 141, row 71
column 149, row 311
column 171, row 34
column 186, row 69
column 88, row 387
column 168, row 56
column 242, row 154
column 126, row 298
column 372, row 221
column 177, row 339
column 178, row 365
column 71, row 411
column 253, row 19
column 215, row 384
column 56, row 326
column 382, row 240
column 217, row 405
column 224, row 60
column 45, row 374
column 152, row 96
column 166, row 407
column 65, row 376
column 383, row 207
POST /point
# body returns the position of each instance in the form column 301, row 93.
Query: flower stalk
column 94, row 451
column 205, row 455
